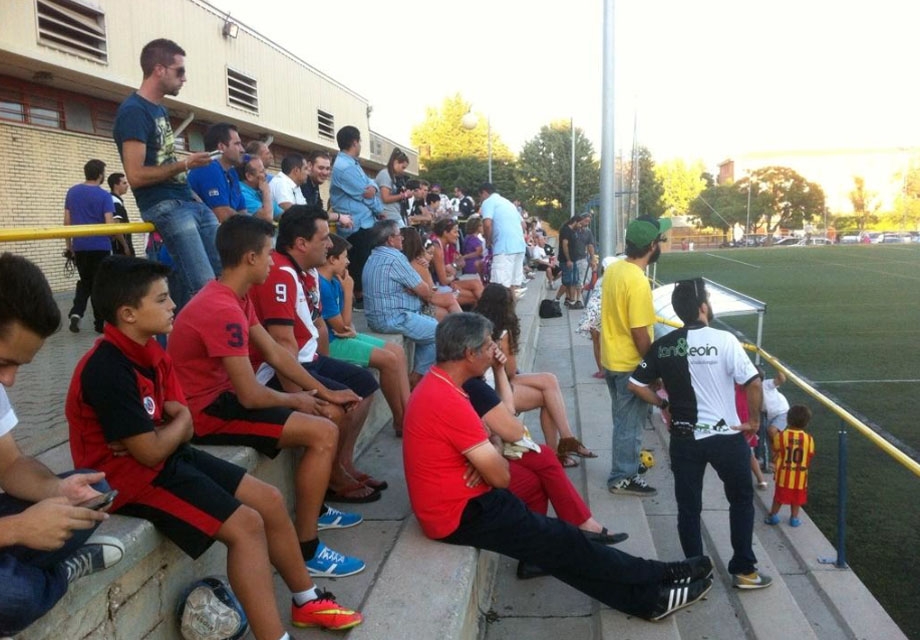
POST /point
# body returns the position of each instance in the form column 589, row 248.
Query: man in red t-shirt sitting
column 458, row 479
column 210, row 345
column 288, row 305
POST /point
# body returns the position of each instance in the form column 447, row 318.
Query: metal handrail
column 73, row 231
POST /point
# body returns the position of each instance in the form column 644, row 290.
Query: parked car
column 788, row 241
column 890, row 237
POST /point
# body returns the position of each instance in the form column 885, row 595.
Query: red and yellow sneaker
column 325, row 612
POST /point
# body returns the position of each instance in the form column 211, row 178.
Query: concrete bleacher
column 415, row 588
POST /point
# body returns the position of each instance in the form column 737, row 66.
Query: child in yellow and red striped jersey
column 793, row 450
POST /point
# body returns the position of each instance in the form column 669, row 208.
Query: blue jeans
column 32, row 581
column 730, row 456
column 629, row 413
column 189, row 230
column 500, row 522
column 418, row 328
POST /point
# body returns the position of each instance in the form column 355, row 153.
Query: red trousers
column 538, row 479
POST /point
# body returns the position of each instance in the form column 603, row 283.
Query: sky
column 706, row 80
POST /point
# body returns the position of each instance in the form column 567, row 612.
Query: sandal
column 575, row 447
column 368, row 481
column 353, row 494
column 566, row 461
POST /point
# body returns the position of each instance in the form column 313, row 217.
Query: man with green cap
column 627, row 318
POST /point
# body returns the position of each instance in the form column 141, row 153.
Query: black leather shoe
column 526, row 571
column 605, row 537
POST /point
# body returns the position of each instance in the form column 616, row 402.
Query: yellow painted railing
column 902, row 458
column 73, row 231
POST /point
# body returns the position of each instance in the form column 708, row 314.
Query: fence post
column 842, row 496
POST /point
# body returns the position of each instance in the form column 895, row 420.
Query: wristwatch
column 664, row 404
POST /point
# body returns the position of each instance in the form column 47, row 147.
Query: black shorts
column 226, row 422
column 190, row 499
column 336, row 375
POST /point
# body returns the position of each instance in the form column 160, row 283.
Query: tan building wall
column 32, row 193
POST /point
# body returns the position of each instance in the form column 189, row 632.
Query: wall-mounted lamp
column 231, row 29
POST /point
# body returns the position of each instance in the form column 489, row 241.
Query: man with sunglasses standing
column 700, row 367
column 627, row 318
column 159, row 179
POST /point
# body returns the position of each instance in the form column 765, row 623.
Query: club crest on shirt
column 149, row 405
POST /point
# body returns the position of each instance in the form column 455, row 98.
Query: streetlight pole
column 489, row 134
column 572, row 189
column 469, row 122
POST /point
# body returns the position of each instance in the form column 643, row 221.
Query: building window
column 74, row 27
column 47, row 107
column 325, row 123
column 242, row 91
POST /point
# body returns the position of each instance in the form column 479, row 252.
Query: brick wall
column 37, row 166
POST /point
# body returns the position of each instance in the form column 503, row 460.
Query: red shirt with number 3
column 213, row 325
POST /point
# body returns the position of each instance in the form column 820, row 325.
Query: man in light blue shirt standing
column 354, row 193
column 504, row 234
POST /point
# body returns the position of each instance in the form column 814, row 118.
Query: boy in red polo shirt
column 129, row 417
column 210, row 345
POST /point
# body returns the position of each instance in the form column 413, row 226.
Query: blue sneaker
column 332, row 564
column 795, row 522
column 774, row 519
column 335, row 519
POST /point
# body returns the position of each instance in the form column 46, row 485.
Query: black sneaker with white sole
column 672, row 598
column 635, row 486
column 690, row 570
column 99, row 552
column 75, row 323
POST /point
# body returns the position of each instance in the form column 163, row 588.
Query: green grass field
column 848, row 319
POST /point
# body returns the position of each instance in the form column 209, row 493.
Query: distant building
column 66, row 65
column 882, row 168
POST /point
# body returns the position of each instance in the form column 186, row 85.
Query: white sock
column 303, row 597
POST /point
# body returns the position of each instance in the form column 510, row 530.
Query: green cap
column 645, row 229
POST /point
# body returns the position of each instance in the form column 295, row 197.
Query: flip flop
column 353, row 494
column 368, row 481
column 605, row 537
column 566, row 461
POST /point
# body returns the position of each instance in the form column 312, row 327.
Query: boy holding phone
column 129, row 417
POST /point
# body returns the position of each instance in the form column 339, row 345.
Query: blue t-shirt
column 252, row 199
column 216, row 187
column 88, row 204
column 330, row 295
column 141, row 120
column 507, row 233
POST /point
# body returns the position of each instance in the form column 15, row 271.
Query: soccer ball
column 208, row 610
column 646, row 460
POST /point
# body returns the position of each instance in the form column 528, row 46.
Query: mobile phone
column 216, row 153
column 100, row 502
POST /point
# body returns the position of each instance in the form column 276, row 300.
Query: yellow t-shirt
column 626, row 303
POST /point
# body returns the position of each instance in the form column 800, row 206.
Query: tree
column 441, row 135
column 790, row 199
column 545, row 167
column 720, row 207
column 650, row 189
column 470, row 172
column 864, row 203
column 680, row 183
column 907, row 205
